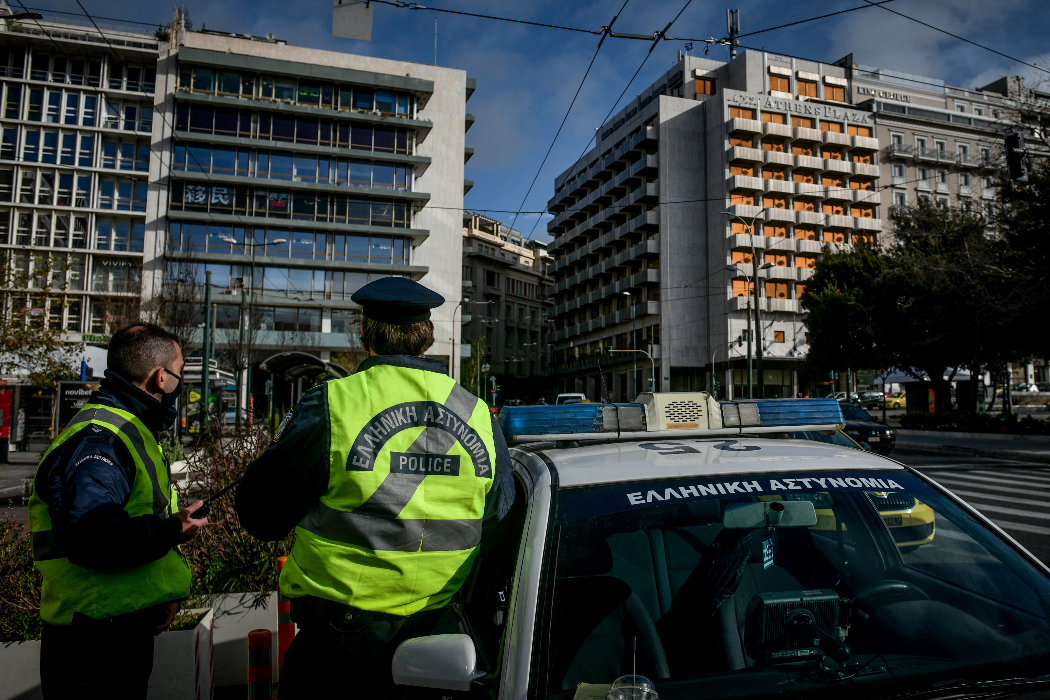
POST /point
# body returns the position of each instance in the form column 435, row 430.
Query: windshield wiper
column 962, row 688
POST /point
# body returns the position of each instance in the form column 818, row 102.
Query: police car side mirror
column 866, row 446
column 445, row 661
column 751, row 516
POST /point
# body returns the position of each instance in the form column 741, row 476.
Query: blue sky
column 527, row 75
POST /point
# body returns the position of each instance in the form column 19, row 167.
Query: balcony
column 899, row 150
column 742, row 241
column 809, row 246
column 650, row 165
column 785, row 305
column 744, row 126
column 809, row 162
column 865, row 143
column 785, row 215
column 867, row 224
column 838, row 166
column 782, row 186
column 945, row 156
column 942, row 186
column 741, row 154
column 744, row 182
column 866, row 196
column 814, row 218
column 838, row 221
column 780, row 273
column 865, row 170
column 648, row 137
column 779, row 158
column 804, row 273
column 771, row 129
column 840, row 194
column 738, row 304
column 806, row 189
column 745, row 211
column 808, row 135
column 835, row 138
column 965, row 191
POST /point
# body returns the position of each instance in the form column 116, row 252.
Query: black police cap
column 397, row 300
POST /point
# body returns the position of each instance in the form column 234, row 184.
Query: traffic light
column 1016, row 167
column 716, row 386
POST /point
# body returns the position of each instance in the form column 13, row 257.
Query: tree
column 938, row 297
column 30, row 320
column 470, row 368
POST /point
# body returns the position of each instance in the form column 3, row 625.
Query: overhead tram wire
column 960, row 38
column 656, row 40
column 105, row 19
column 605, row 34
column 812, row 19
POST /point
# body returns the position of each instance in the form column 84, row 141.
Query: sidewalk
column 1022, row 448
column 22, row 466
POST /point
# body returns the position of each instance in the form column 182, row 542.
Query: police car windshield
column 780, row 582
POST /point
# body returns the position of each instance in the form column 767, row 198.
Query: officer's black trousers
column 94, row 659
column 325, row 662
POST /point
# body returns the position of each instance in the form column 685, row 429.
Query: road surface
column 1014, row 495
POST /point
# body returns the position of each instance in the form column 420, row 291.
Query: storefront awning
column 295, row 365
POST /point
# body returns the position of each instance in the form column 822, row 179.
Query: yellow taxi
column 896, row 401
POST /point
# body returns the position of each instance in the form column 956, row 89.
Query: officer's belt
column 319, row 610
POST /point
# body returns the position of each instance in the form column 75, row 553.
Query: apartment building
column 938, row 141
column 78, row 114
column 297, row 176
column 760, row 160
column 506, row 285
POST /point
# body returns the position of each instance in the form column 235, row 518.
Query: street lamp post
column 634, row 344
column 482, row 369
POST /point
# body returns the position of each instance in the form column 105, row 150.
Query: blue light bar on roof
column 571, row 419
column 781, row 412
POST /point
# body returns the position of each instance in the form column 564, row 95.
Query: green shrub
column 19, row 583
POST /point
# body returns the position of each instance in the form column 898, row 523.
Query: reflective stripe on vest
column 374, row 523
column 411, row 466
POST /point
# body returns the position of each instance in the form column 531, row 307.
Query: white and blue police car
column 683, row 548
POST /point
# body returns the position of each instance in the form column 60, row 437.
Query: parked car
column 869, row 399
column 898, row 400
column 571, row 398
column 1024, row 387
column 513, row 402
column 850, row 397
column 863, row 428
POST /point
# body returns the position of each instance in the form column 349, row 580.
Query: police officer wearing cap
column 392, row 478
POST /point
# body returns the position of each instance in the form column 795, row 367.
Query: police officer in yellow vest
column 105, row 526
column 390, row 478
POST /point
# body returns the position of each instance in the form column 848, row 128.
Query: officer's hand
column 190, row 526
column 169, row 616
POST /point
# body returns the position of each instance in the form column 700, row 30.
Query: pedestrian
column 105, row 526
column 392, row 478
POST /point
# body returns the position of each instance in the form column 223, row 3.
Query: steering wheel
column 649, row 642
column 875, row 595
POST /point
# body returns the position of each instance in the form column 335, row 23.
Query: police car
column 679, row 547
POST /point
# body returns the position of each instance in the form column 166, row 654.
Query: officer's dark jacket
column 87, row 481
column 292, row 474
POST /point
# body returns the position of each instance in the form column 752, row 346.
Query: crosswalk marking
column 1000, row 480
column 989, row 490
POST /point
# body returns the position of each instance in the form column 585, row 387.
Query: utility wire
column 960, row 38
column 811, row 19
column 417, row 6
column 590, row 65
column 106, row 19
column 625, row 88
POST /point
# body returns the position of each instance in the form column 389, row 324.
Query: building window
column 805, row 234
column 802, row 149
column 960, row 108
column 773, row 173
column 804, row 122
column 776, row 290
column 863, row 212
column 773, row 118
column 964, row 179
column 900, row 199
column 748, row 170
column 741, row 288
column 774, row 146
column 775, row 231
column 778, row 336
column 834, row 237
column 940, row 146
column 835, row 93
column 805, row 205
column 831, row 209
column 742, row 198
column 833, row 153
column 806, row 88
column 920, row 143
column 742, row 141
column 897, row 139
column 978, row 111
column 741, row 113
column 705, row 86
column 805, row 262
column 834, row 127
column 898, row 170
column 779, row 83
column 803, row 176
column 774, row 202
column 865, row 131
column 942, row 177
column 962, row 149
column 943, row 202
column 741, row 257
column 863, row 185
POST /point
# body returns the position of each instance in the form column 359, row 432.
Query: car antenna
column 634, row 655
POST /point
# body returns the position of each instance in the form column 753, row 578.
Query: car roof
column 613, row 462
